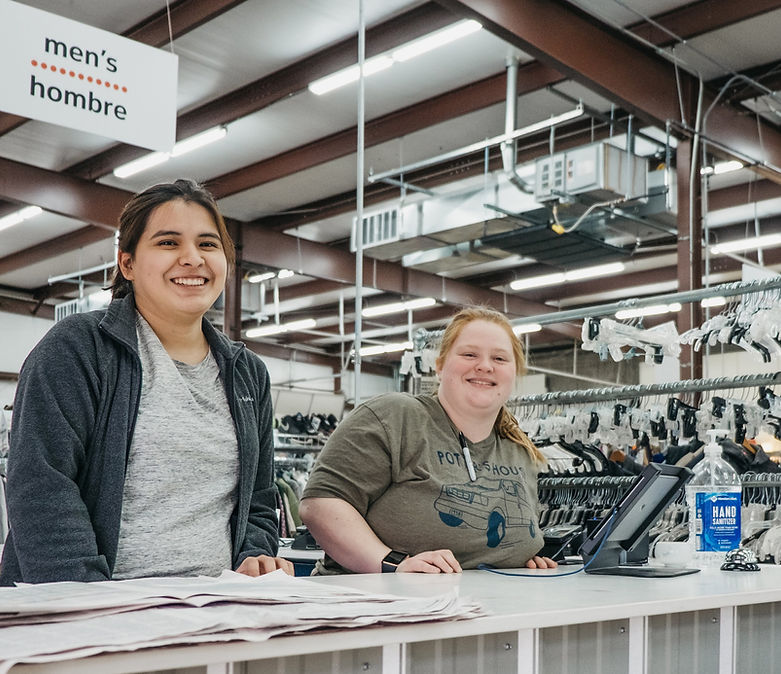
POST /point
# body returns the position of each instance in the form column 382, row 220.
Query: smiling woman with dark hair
column 141, row 441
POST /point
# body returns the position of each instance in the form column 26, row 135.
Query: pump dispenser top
column 713, row 447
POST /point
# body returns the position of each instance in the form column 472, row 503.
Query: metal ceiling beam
column 569, row 135
column 281, row 84
column 746, row 193
column 302, row 356
column 186, row 15
column 102, row 204
column 621, row 70
column 767, row 75
column 73, row 197
column 472, row 97
column 48, row 249
column 15, row 306
column 698, row 18
column 63, row 288
column 268, row 247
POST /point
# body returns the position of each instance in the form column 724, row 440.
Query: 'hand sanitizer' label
column 719, row 514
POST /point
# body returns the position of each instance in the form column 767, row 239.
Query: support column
column 689, row 252
column 231, row 324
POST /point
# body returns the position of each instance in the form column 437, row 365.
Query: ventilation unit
column 598, row 170
column 378, row 228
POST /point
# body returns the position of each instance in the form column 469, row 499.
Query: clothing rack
column 285, row 442
column 596, row 482
column 645, row 390
column 423, row 337
column 293, row 462
column 687, row 296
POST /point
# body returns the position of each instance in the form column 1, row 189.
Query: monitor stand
column 643, row 571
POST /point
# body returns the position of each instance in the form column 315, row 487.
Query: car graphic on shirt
column 493, row 505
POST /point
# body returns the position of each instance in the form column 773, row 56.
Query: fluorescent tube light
column 285, row 273
column 199, row 140
column 350, row 74
column 594, row 272
column 572, row 275
column 419, row 303
column 141, row 164
column 436, row 39
column 726, row 167
column 276, row 329
column 652, row 310
column 396, row 307
column 182, row 147
column 385, row 348
column 753, row 243
column 19, row 216
column 262, row 276
column 538, row 281
column 717, row 301
column 721, row 167
column 526, row 328
column 404, row 53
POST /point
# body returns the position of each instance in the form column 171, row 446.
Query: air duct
column 509, row 147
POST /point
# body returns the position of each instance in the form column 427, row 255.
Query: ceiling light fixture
column 406, row 52
column 717, row 301
column 279, row 328
column 195, row 142
column 397, row 307
column 199, row 140
column 652, row 310
column 753, row 243
column 538, row 281
column 564, row 277
column 526, row 328
column 261, row 276
column 141, row 164
column 19, row 216
column 722, row 167
column 285, row 273
column 350, row 74
column 436, row 39
column 377, row 349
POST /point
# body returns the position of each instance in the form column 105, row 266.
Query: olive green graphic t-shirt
column 398, row 461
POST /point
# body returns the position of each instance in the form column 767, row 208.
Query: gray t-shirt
column 398, row 461
column 182, row 471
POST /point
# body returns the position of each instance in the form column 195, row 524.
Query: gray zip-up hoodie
column 74, row 413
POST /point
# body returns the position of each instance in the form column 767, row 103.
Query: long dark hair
column 135, row 215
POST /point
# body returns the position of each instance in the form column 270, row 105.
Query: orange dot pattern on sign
column 81, row 76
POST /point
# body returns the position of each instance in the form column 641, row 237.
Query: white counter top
column 542, row 600
column 512, row 603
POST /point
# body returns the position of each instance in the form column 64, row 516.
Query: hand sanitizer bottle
column 713, row 496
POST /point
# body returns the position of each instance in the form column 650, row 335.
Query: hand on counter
column 262, row 564
column 430, row 561
column 541, row 563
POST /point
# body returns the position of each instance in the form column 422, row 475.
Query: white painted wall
column 18, row 335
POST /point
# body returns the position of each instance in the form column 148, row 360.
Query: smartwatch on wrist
column 392, row 560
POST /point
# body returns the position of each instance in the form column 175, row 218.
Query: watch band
column 392, row 560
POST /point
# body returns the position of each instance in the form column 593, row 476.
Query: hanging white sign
column 64, row 72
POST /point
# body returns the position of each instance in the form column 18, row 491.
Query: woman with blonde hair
column 434, row 483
